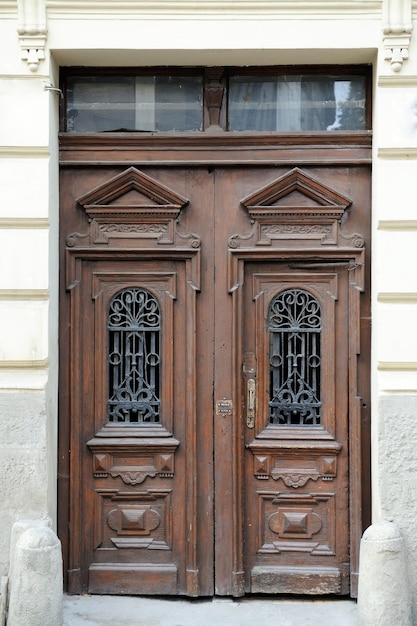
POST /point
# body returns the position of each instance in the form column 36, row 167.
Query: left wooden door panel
column 130, row 479
column 128, row 329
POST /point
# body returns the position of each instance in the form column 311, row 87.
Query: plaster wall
column 268, row 33
column 27, row 412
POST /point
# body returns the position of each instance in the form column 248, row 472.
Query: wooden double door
column 214, row 360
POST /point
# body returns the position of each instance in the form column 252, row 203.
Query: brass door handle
column 250, row 402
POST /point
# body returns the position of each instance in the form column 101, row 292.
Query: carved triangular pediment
column 295, row 209
column 133, row 209
column 131, row 193
column 296, row 194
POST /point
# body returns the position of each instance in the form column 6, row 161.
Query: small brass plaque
column 224, row 407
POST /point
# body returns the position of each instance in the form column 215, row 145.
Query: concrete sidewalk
column 136, row 611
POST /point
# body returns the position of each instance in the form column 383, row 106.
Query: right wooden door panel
column 296, row 348
column 218, row 459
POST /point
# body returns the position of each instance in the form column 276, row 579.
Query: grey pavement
column 139, row 611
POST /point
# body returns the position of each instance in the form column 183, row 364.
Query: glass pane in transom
column 295, row 103
column 134, row 103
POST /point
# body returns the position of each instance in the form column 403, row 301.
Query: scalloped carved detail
column 294, row 469
column 296, row 207
column 133, row 463
column 135, row 477
column 133, row 207
column 295, row 480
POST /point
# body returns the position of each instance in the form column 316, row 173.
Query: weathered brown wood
column 199, row 149
column 302, row 581
column 201, row 486
column 123, row 580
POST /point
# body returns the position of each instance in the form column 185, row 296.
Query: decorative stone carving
column 32, row 31
column 397, row 31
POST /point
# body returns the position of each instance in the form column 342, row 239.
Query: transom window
column 222, row 99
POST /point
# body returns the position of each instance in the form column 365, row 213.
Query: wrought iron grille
column 295, row 325
column 134, row 359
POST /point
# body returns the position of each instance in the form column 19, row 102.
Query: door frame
column 220, row 149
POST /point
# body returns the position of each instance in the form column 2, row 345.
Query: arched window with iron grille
column 295, row 329
column 134, row 359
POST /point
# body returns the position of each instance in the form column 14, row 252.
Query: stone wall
column 23, row 484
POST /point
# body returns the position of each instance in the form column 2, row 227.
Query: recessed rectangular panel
column 302, row 580
column 132, row 579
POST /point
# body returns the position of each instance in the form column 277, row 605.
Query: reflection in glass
column 142, row 103
column 294, row 103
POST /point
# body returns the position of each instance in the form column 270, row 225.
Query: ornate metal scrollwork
column 134, row 357
column 295, row 359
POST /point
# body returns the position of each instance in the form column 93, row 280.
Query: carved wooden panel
column 134, row 466
column 297, row 523
column 125, row 239
column 295, row 208
column 306, row 520
column 296, row 470
column 134, row 520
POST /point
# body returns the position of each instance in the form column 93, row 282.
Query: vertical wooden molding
column 214, row 91
column 191, row 431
